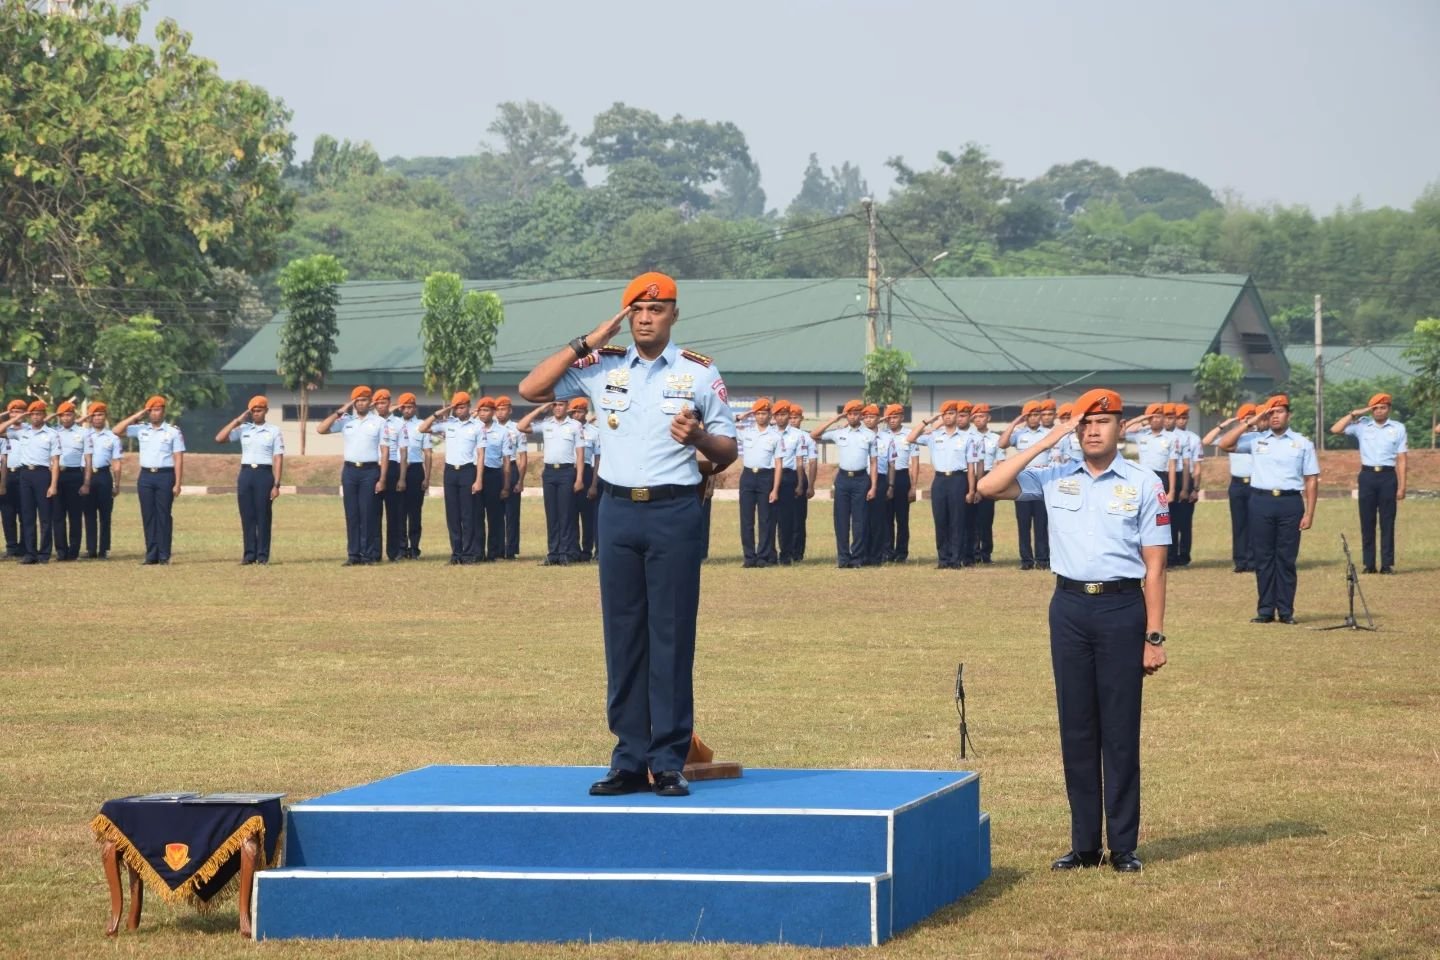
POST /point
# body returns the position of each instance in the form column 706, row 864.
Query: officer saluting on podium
column 1109, row 535
column 657, row 406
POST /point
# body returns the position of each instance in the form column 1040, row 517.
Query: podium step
column 820, row 910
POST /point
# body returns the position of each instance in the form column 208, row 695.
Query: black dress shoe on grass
column 671, row 783
column 1368, row 570
column 1289, row 620
column 1262, row 619
column 1125, row 863
column 618, row 783
column 1074, row 860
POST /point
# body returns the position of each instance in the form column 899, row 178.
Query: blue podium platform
column 810, row 857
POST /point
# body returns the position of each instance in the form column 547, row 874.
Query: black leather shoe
column 1125, row 863
column 1262, row 619
column 1289, row 620
column 619, row 782
column 1387, row 570
column 1074, row 861
column 671, row 783
column 1368, row 570
column 1027, row 566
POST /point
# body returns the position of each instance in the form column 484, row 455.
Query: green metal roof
column 1342, row 364
column 1003, row 329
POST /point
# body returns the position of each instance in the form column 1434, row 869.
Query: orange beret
column 489, row 402
column 1168, row 409
column 870, row 410
column 1246, row 410
column 65, row 407
column 948, row 405
column 853, row 406
column 894, row 409
column 260, row 402
column 981, row 408
column 1031, row 406
column 1098, row 401
column 963, row 406
column 459, row 397
column 155, row 401
column 1047, row 404
column 37, row 407
column 381, row 394
column 360, row 392
column 1155, row 410
column 97, row 407
column 761, row 405
column 500, row 401
column 17, row 404
column 648, row 286
column 781, row 406
column 1279, row 400
column 405, row 398
column 1378, row 399
column 1065, row 409
column 796, row 411
column 579, row 403
column 1182, row 409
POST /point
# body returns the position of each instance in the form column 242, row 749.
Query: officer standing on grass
column 1284, row 482
column 792, row 464
column 162, row 471
column 10, row 499
column 901, row 492
column 39, row 477
column 464, row 452
column 67, row 503
column 671, row 405
column 104, row 454
column 1381, row 483
column 390, row 517
column 808, row 471
column 262, row 462
column 1023, row 433
column 1242, row 552
column 362, row 480
column 758, row 445
column 416, row 453
column 560, row 478
column 1110, row 531
column 984, row 508
column 950, row 486
column 519, row 461
column 854, row 485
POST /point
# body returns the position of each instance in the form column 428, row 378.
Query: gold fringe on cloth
column 106, row 831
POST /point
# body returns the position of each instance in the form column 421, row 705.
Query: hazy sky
column 1306, row 102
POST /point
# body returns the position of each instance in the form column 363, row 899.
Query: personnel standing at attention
column 1030, row 517
column 67, row 502
column 10, row 490
column 391, row 505
column 586, row 505
column 519, row 462
column 810, row 454
column 464, row 454
column 1155, row 446
column 1241, row 551
column 416, row 453
column 1110, row 532
column 362, row 481
column 490, row 505
column 1189, row 455
column 984, row 509
column 671, row 405
column 162, row 471
column 877, row 516
column 791, row 450
column 1383, row 448
column 901, row 492
column 104, row 454
column 854, row 488
column 560, row 479
column 262, row 463
column 1284, row 482
column 758, row 444
column 39, row 477
column 949, row 463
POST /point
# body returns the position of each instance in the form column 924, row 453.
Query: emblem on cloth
column 1069, row 486
column 652, row 292
column 176, row 855
column 619, row 377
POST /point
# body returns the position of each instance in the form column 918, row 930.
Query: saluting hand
column 606, row 332
column 685, row 428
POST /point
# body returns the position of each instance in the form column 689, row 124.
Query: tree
column 1170, row 195
column 331, row 162
column 1424, row 352
column 740, row 196
column 828, row 194
column 458, row 329
column 887, row 376
column 535, row 149
column 309, row 295
column 690, row 154
column 134, row 360
column 132, row 173
column 1217, row 383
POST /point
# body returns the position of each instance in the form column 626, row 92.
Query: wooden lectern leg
column 137, row 899
column 110, row 860
column 249, row 853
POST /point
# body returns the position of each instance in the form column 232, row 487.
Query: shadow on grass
column 998, row 884
column 1219, row 838
column 218, row 922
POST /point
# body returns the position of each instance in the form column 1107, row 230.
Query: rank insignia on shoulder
column 612, row 350
column 699, row 358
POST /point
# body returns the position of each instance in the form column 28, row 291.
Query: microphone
column 960, row 709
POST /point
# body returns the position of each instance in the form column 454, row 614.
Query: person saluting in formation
column 658, row 406
column 1383, row 449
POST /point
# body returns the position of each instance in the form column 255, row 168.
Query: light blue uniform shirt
column 462, row 439
column 363, row 436
column 855, row 446
column 158, row 445
column 590, row 440
column 394, row 429
column 1279, row 462
column 1022, row 438
column 1380, row 443
column 260, row 443
column 1189, row 447
column 989, row 449
column 1154, row 451
column 885, row 443
column 12, row 448
column 72, row 445
column 104, row 448
column 38, row 446
column 1241, row 464
column 792, row 448
column 1098, row 524
column 636, row 400
column 904, row 452
column 495, row 440
column 758, row 448
column 559, row 438
column 949, row 452
column 514, row 441
column 415, row 442
column 1067, row 450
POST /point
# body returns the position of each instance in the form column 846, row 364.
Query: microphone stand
column 1352, row 583
column 960, row 709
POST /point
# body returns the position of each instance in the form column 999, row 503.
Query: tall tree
column 535, row 148
column 691, row 154
column 887, row 376
column 458, row 329
column 134, row 360
column 830, row 193
column 1217, row 383
column 740, row 196
column 332, row 162
column 309, row 295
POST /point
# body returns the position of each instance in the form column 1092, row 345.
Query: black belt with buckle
column 29, row 466
column 951, row 473
column 855, row 473
column 1276, row 493
column 669, row 491
column 105, row 469
column 758, row 469
column 1096, row 589
column 159, row 469
column 1381, row 469
column 72, row 469
column 557, row 466
column 362, row 463
column 259, row 466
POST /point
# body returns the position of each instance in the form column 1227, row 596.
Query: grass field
column 1291, row 776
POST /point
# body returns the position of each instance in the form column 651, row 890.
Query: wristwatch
column 580, row 347
column 1155, row 639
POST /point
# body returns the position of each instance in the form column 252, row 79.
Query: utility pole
column 872, row 279
column 1319, row 375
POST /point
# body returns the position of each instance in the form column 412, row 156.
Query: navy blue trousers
column 705, row 512
column 512, row 516
column 391, row 512
column 67, row 507
column 1377, row 500
column 10, row 515
column 252, row 495
column 984, row 513
column 493, row 510
column 156, row 491
column 897, row 515
column 1097, row 649
column 560, row 515
column 460, row 512
column 362, row 511
column 1275, row 536
column 802, row 519
column 877, row 522
column 949, row 509
column 785, row 514
column 36, row 512
column 851, row 510
column 649, row 595
column 1241, row 550
column 757, row 515
column 1033, row 521
column 98, row 509
column 415, row 494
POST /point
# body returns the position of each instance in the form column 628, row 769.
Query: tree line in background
column 147, row 205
